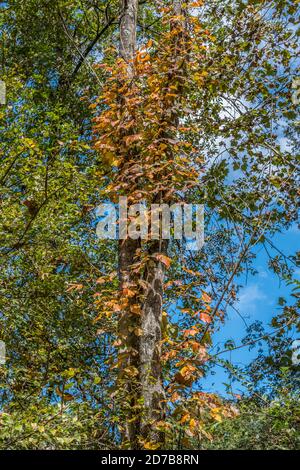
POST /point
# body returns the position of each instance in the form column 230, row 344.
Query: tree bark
column 143, row 351
column 128, row 23
column 129, row 357
column 152, row 390
column 145, row 392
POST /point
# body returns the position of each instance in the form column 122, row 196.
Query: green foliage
column 56, row 388
column 273, row 425
column 48, row 427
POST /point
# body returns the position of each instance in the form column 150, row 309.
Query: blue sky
column 258, row 300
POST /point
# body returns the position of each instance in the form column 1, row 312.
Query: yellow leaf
column 29, row 143
column 131, row 371
column 138, row 332
column 192, row 424
column 136, row 309
column 215, row 414
column 151, row 446
column 186, row 371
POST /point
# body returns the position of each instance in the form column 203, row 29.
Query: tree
column 193, row 101
column 144, row 128
column 49, row 185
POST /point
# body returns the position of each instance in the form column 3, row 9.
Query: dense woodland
column 109, row 342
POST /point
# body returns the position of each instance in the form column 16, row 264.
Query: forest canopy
column 140, row 342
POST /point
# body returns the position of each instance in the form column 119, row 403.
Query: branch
column 91, row 46
column 84, row 55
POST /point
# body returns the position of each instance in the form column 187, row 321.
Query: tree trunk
column 129, row 354
column 128, row 23
column 145, row 399
column 152, row 391
column 143, row 351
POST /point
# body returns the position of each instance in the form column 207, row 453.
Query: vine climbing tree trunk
column 140, row 325
column 141, row 330
column 129, row 357
column 152, row 389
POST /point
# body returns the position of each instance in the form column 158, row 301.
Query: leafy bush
column 275, row 425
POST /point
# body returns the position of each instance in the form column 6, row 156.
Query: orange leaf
column 117, row 308
column 206, row 318
column 197, row 347
column 206, row 298
column 163, row 259
column 132, row 138
column 75, row 287
column 128, row 293
column 197, row 3
column 149, row 43
column 185, row 418
column 239, row 397
column 191, row 332
column 175, row 397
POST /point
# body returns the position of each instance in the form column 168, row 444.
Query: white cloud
column 250, row 298
column 294, row 229
column 284, row 144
